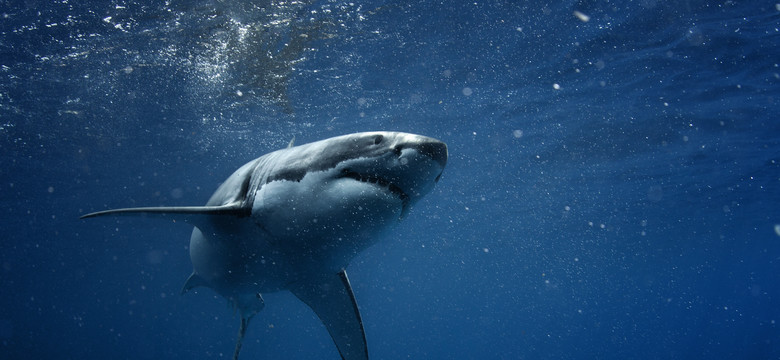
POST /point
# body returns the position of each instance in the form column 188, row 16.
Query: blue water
column 612, row 190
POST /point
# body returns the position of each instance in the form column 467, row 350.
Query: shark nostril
column 436, row 150
column 378, row 139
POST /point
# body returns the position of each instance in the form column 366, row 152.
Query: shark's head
column 345, row 185
column 404, row 165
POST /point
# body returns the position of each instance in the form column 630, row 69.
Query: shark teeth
column 373, row 179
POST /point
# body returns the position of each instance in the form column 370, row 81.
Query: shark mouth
column 393, row 188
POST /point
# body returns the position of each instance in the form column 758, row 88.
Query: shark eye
column 378, row 139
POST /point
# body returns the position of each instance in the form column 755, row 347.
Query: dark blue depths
column 612, row 187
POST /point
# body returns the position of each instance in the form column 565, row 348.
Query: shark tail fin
column 241, row 333
column 248, row 307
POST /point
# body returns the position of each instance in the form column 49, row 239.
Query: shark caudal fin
column 248, row 306
column 330, row 296
column 241, row 333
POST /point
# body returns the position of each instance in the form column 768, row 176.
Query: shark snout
column 432, row 148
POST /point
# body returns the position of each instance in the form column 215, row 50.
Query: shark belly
column 324, row 225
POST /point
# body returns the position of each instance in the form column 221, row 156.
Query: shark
column 293, row 219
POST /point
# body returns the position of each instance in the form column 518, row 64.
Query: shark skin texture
column 294, row 218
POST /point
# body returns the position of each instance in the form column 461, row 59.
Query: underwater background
column 612, row 192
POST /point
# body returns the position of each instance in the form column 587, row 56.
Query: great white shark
column 294, row 218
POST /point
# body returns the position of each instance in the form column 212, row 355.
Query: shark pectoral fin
column 194, row 215
column 229, row 209
column 331, row 298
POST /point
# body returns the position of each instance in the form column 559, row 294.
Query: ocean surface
column 612, row 192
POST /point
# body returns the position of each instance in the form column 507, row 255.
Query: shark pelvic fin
column 192, row 282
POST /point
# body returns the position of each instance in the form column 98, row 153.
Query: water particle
column 467, row 91
column 581, row 16
column 485, row 250
column 556, row 86
column 777, row 229
column 239, row 93
column 517, row 134
column 50, row 189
